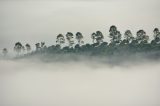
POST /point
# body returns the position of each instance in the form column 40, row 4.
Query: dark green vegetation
column 117, row 47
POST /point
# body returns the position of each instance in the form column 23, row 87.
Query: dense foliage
column 116, row 47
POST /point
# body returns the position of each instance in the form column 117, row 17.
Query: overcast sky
column 31, row 21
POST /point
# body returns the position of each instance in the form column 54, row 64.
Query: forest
column 128, row 46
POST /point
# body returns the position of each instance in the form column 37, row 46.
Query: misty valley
column 79, row 53
column 124, row 72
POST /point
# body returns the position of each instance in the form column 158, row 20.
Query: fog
column 32, row 21
column 76, row 83
column 35, row 83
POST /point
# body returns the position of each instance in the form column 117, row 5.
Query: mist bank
column 29, row 83
column 117, row 59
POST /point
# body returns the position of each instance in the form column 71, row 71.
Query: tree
column 28, row 47
column 37, row 46
column 69, row 37
column 115, row 35
column 142, row 37
column 156, row 33
column 18, row 47
column 113, row 32
column 99, row 37
column 42, row 44
column 156, row 36
column 118, row 37
column 60, row 39
column 93, row 36
column 79, row 38
column 145, row 39
column 5, row 51
column 128, row 36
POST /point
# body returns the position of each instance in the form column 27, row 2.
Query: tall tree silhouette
column 43, row 45
column 5, row 51
column 113, row 32
column 142, row 37
column 79, row 38
column 38, row 47
column 118, row 37
column 115, row 35
column 60, row 40
column 128, row 36
column 93, row 36
column 156, row 33
column 28, row 48
column 156, row 36
column 18, row 48
column 69, row 37
column 99, row 37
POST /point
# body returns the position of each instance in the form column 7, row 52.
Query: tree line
column 130, row 43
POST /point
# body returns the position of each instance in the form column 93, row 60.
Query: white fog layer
column 25, row 83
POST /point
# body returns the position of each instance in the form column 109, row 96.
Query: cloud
column 69, row 84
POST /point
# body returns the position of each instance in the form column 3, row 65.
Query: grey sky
column 33, row 21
